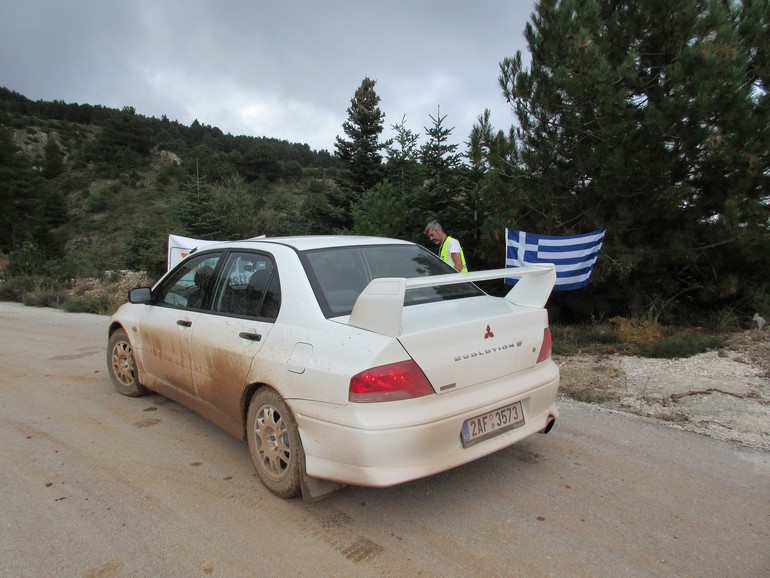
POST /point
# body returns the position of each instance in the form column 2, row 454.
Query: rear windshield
column 339, row 275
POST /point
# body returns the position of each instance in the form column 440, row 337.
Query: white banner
column 179, row 247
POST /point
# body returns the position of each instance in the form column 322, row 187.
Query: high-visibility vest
column 444, row 254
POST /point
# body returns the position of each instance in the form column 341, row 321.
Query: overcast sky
column 283, row 69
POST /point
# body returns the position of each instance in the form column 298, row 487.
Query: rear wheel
column 274, row 443
column 120, row 361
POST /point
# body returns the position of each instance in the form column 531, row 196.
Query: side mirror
column 140, row 295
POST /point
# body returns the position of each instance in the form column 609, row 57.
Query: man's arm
column 458, row 262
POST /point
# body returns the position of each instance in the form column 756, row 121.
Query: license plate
column 491, row 424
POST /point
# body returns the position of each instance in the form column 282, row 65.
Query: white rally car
column 343, row 360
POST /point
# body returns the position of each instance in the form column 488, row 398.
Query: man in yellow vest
column 449, row 247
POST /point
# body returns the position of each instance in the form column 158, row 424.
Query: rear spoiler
column 381, row 304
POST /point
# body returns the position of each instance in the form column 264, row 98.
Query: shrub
column 592, row 395
column 51, row 297
column 16, row 288
column 27, row 260
column 726, row 319
column 575, row 339
column 682, row 344
column 98, row 304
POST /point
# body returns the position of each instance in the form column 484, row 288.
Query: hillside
column 103, row 188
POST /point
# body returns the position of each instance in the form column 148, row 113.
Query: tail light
column 392, row 382
column 545, row 348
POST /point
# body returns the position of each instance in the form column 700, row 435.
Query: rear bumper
column 385, row 444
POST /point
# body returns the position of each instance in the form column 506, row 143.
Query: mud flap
column 315, row 489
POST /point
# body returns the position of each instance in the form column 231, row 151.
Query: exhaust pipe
column 549, row 422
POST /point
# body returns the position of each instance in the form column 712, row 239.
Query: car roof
column 309, row 242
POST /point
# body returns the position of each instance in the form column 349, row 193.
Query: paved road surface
column 96, row 485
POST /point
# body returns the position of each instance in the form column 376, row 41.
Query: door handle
column 184, row 323
column 250, row 336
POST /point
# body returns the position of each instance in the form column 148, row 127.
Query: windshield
column 339, row 275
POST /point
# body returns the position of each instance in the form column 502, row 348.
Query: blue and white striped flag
column 573, row 255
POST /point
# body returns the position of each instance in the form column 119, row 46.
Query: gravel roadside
column 723, row 394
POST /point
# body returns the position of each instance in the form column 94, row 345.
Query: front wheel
column 274, row 443
column 122, row 366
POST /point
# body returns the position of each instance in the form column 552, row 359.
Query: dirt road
column 96, row 484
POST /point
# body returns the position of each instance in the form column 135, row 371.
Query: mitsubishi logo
column 489, row 333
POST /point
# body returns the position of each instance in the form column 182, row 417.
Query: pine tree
column 403, row 166
column 237, row 207
column 198, row 213
column 443, row 195
column 438, row 155
column 20, row 194
column 361, row 152
column 650, row 119
column 53, row 159
column 381, row 212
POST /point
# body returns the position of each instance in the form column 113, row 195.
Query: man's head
column 435, row 232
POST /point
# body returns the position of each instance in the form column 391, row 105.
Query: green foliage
column 442, row 196
column 145, row 251
column 197, row 211
column 26, row 261
column 682, row 344
column 125, row 141
column 403, row 168
column 49, row 297
column 646, row 120
column 573, row 339
column 360, row 153
column 20, row 190
column 237, row 206
column 54, row 160
column 283, row 215
column 103, row 197
column 98, row 304
column 319, row 214
column 595, row 395
column 89, row 257
column 15, row 288
column 439, row 157
column 381, row 213
column 722, row 321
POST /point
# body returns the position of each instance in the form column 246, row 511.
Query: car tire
column 122, row 365
column 274, row 443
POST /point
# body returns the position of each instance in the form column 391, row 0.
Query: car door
column 168, row 323
column 226, row 340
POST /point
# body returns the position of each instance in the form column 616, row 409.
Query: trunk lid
column 470, row 341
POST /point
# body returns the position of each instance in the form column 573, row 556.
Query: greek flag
column 573, row 255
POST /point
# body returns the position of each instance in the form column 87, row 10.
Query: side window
column 191, row 284
column 250, row 287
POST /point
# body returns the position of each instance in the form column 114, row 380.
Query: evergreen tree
column 54, row 160
column 438, row 156
column 144, row 251
column 317, row 213
column 282, row 215
column 237, row 207
column 198, row 213
column 443, row 196
column 124, row 142
column 381, row 212
column 361, row 152
column 403, row 166
column 21, row 189
column 650, row 119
